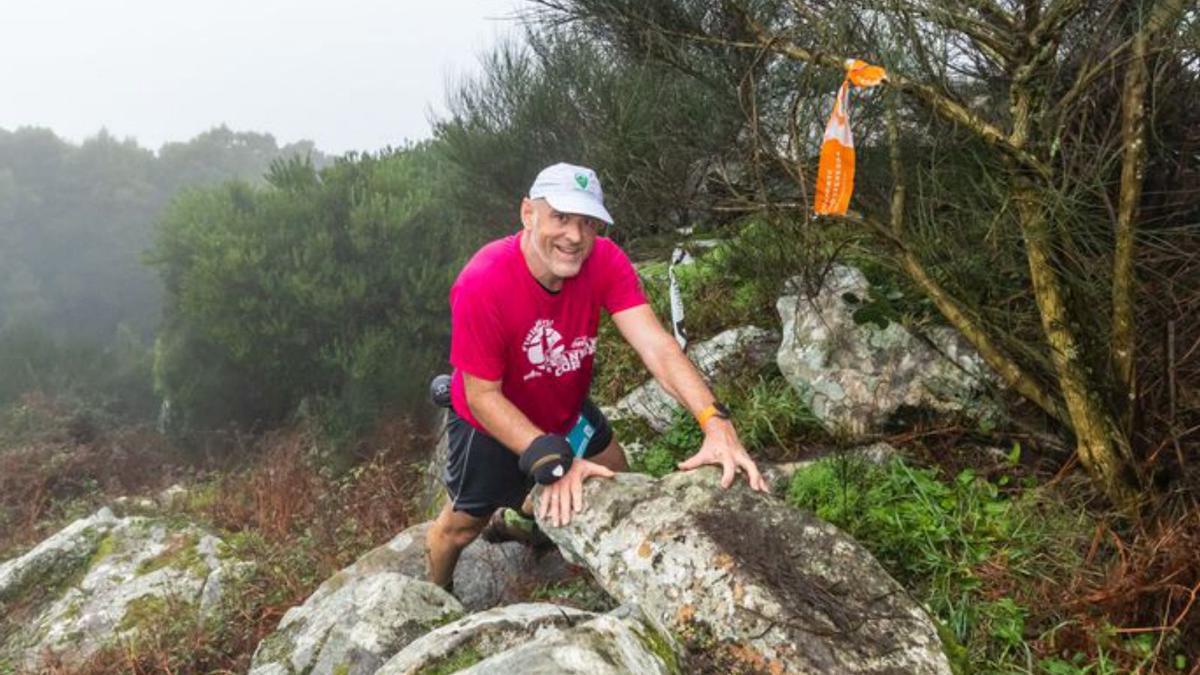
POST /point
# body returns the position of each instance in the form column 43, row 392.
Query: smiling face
column 555, row 243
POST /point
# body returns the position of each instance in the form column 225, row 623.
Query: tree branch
column 1010, row 371
column 1133, row 160
column 945, row 107
column 989, row 41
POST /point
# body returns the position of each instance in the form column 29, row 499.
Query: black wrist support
column 547, row 459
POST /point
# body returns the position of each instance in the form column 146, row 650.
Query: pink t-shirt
column 506, row 326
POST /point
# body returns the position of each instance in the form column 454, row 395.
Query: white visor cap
column 571, row 189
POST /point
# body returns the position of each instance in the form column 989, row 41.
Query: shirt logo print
column 550, row 355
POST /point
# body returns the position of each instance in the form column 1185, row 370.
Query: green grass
column 771, row 420
column 956, row 544
column 460, row 659
column 580, row 592
column 665, row 450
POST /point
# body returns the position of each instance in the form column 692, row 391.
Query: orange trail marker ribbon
column 835, row 171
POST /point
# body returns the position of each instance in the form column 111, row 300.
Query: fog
column 357, row 75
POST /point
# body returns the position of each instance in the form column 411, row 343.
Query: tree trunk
column 1010, row 372
column 1101, row 445
column 1133, row 159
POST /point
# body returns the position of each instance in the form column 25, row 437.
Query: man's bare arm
column 674, row 371
column 502, row 420
column 507, row 424
column 663, row 358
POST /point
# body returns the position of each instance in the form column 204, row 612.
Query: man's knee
column 456, row 528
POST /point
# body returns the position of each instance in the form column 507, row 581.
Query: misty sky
column 353, row 75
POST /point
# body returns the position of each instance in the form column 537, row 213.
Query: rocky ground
column 703, row 579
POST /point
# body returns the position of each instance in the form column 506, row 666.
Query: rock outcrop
column 855, row 376
column 743, row 578
column 353, row 623
column 102, row 578
column 487, row 575
column 617, row 643
column 369, row 611
column 734, row 349
column 56, row 557
column 476, row 637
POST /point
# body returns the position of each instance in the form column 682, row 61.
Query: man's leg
column 449, row 534
column 612, row 457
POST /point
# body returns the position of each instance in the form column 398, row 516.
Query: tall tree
column 562, row 96
column 1019, row 143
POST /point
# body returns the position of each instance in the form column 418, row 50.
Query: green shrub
column 676, row 444
column 326, row 286
column 937, row 536
column 770, row 418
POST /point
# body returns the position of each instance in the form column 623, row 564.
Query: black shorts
column 482, row 475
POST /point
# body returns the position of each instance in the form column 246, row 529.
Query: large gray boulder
column 366, row 613
column 56, row 557
column 746, row 579
column 856, row 376
column 734, row 349
column 103, row 580
column 487, row 574
column 353, row 623
column 617, row 643
column 478, row 636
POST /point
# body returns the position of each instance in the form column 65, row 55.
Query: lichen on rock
column 357, row 626
column 856, row 376
column 116, row 576
column 757, row 580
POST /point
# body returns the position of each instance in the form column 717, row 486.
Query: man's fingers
column 728, row 470
column 692, row 462
column 600, row 470
column 752, row 474
column 577, row 496
column 564, row 506
column 544, row 505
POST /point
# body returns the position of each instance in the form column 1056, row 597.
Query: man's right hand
column 565, row 496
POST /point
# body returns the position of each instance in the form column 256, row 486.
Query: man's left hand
column 565, row 496
column 722, row 447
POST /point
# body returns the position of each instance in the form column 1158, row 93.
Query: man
column 524, row 316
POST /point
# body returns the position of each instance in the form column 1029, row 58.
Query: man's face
column 560, row 241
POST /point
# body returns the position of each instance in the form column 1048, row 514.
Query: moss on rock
column 106, row 547
column 659, row 645
column 459, row 659
column 181, row 553
column 143, row 611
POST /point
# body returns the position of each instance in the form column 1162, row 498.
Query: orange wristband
column 708, row 413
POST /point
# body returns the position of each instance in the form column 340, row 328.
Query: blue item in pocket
column 580, row 435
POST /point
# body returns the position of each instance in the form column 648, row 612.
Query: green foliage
column 458, row 660
column 936, row 536
column 768, row 414
column 680, row 441
column 770, row 418
column 564, row 96
column 326, row 286
column 580, row 592
column 76, row 306
column 111, row 380
column 714, row 300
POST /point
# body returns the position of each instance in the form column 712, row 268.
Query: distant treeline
column 77, row 306
column 292, row 282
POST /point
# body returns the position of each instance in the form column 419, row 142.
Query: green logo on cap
column 581, row 180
